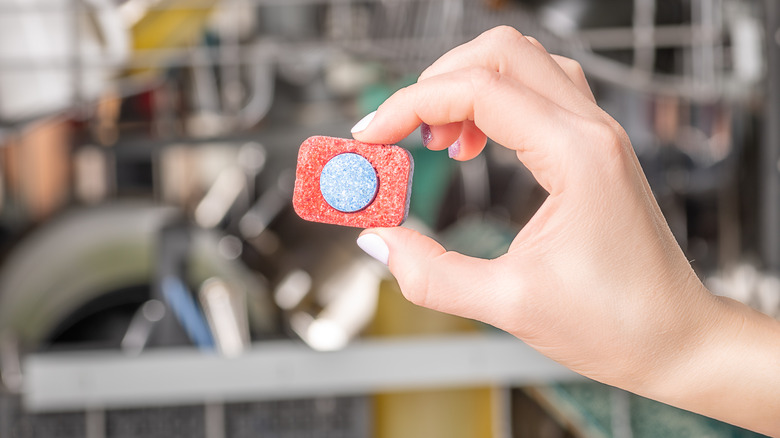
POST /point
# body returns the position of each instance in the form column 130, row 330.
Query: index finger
column 510, row 113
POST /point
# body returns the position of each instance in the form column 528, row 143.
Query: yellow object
column 450, row 412
column 170, row 25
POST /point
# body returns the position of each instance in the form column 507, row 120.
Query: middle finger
column 508, row 52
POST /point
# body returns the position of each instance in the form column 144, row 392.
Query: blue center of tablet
column 348, row 182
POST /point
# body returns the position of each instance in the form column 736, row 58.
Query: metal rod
column 76, row 67
column 620, row 410
column 644, row 35
column 770, row 148
column 230, row 60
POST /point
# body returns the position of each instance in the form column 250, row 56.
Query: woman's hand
column 595, row 280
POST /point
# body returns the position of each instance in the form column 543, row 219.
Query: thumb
column 431, row 276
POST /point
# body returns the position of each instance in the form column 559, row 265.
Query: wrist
column 729, row 371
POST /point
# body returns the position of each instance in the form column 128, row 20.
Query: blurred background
column 155, row 282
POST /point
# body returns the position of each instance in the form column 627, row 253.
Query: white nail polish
column 374, row 246
column 363, row 123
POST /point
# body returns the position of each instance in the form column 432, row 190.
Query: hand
column 595, row 280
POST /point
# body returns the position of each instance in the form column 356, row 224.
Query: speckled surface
column 426, row 134
column 348, row 182
column 394, row 169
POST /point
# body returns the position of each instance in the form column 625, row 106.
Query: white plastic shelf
column 280, row 370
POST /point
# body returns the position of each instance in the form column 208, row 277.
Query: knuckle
column 423, row 284
column 417, row 286
column 502, row 35
column 410, row 95
column 535, row 43
column 482, row 78
column 575, row 67
column 414, row 285
column 415, row 294
column 608, row 137
column 482, row 82
column 578, row 72
column 571, row 66
column 425, row 74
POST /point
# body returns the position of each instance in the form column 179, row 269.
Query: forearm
column 733, row 374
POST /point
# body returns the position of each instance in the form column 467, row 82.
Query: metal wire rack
column 720, row 46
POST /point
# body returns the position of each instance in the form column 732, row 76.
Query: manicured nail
column 425, row 132
column 374, row 246
column 454, row 149
column 363, row 123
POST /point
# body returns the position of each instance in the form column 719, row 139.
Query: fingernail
column 454, row 149
column 374, row 246
column 363, row 123
column 425, row 132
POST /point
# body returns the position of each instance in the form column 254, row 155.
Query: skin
column 595, row 280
